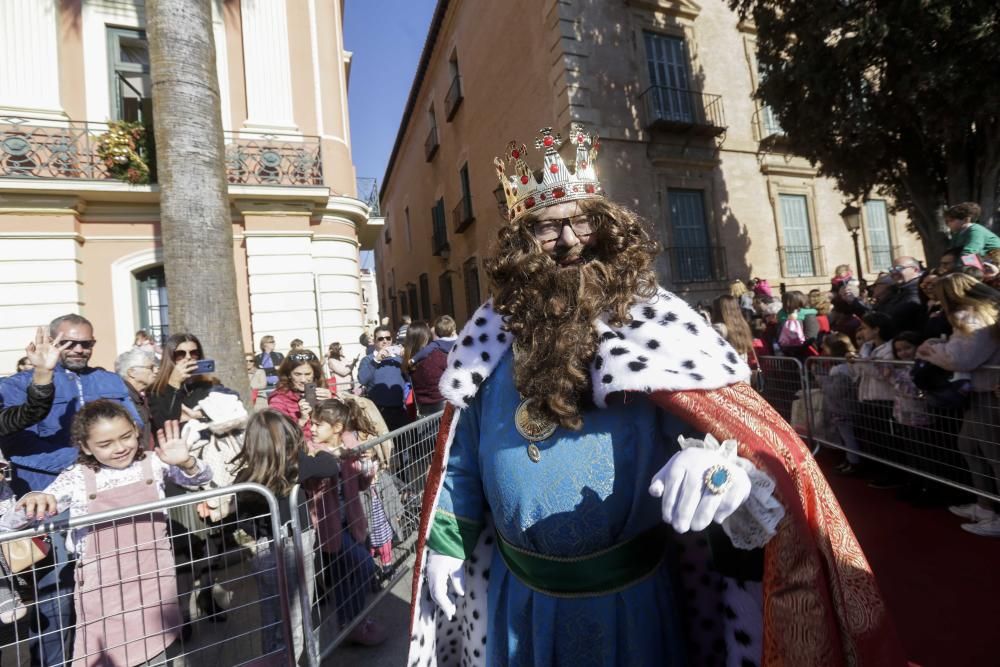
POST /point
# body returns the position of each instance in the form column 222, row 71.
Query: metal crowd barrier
column 345, row 573
column 780, row 382
column 233, row 609
column 950, row 435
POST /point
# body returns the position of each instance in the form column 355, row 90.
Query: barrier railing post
column 310, row 636
column 198, row 639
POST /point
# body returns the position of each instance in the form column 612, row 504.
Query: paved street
column 394, row 612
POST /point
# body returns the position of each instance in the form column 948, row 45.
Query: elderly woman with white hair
column 138, row 368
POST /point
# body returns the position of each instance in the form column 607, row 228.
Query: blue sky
column 386, row 37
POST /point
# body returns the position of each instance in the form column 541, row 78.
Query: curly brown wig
column 551, row 309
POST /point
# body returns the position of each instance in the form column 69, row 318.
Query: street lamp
column 851, row 215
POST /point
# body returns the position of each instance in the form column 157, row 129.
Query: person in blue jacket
column 40, row 452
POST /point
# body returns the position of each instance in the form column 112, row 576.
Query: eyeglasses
column 181, row 354
column 384, row 338
column 900, row 268
column 302, row 356
column 547, row 231
column 82, row 344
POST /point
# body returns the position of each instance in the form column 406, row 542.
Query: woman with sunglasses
column 300, row 368
column 178, row 389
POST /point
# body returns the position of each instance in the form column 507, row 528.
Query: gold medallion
column 530, row 425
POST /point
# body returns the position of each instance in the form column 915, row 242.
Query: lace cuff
column 755, row 522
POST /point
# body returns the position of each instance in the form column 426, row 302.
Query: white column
column 39, row 281
column 267, row 65
column 29, row 56
column 282, row 293
column 335, row 261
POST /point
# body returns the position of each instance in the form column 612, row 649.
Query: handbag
column 22, row 554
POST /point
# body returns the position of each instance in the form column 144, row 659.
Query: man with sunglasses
column 381, row 375
column 40, row 452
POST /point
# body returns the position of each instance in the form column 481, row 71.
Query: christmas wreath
column 121, row 149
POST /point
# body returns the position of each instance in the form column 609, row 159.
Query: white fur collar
column 666, row 347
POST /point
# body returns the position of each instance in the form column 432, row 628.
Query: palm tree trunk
column 195, row 220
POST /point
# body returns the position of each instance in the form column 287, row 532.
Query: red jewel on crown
column 529, row 202
column 524, row 180
column 558, row 192
column 589, row 187
column 548, row 141
column 554, row 168
column 515, row 154
column 579, row 138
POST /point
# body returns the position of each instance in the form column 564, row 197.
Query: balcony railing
column 431, row 144
column 799, row 261
column 269, row 159
column 368, row 193
column 678, row 109
column 461, row 215
column 454, row 98
column 880, row 256
column 69, row 150
column 697, row 264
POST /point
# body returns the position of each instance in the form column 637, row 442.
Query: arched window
column 151, row 288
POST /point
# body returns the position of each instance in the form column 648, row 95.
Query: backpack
column 791, row 334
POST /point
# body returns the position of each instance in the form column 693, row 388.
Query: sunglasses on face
column 82, row 344
column 384, row 338
column 181, row 354
column 302, row 356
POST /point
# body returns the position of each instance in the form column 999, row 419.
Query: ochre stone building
column 74, row 238
column 668, row 85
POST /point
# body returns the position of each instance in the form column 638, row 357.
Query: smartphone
column 203, row 366
column 310, row 394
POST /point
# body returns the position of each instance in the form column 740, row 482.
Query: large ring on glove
column 717, row 479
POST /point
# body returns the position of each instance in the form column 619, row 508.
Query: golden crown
column 525, row 193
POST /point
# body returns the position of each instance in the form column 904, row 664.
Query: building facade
column 75, row 236
column 668, row 86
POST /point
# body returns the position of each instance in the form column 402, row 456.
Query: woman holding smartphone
column 300, row 387
column 180, row 384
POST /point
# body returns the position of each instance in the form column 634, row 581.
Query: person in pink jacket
column 299, row 369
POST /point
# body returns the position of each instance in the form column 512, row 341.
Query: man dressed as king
column 606, row 488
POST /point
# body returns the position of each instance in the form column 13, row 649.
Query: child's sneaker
column 12, row 611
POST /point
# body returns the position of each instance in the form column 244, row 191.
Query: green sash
column 599, row 573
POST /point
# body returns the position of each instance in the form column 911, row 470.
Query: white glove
column 688, row 504
column 440, row 570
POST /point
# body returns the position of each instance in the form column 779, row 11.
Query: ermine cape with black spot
column 818, row 603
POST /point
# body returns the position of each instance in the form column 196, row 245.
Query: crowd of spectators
column 320, row 411
column 913, row 371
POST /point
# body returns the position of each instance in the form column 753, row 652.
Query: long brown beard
column 550, row 310
column 558, row 341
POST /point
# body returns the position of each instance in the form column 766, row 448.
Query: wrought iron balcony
column 880, row 256
column 801, row 261
column 31, row 148
column 696, row 264
column 271, row 159
column 678, row 109
column 454, row 98
column 431, row 144
column 461, row 215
